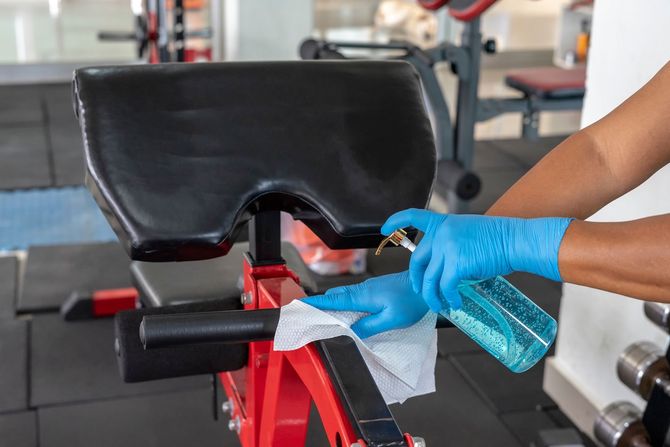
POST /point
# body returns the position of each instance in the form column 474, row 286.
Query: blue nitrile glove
column 468, row 247
column 389, row 299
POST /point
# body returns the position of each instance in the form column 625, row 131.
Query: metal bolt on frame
column 246, row 298
column 234, row 425
column 227, row 406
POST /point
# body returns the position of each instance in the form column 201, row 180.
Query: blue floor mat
column 50, row 216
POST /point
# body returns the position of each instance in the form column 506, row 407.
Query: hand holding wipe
column 389, row 299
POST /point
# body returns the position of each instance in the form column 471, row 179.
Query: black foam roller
column 160, row 331
column 137, row 364
column 453, row 177
column 232, row 326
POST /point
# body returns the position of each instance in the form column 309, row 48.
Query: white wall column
column 630, row 43
column 266, row 30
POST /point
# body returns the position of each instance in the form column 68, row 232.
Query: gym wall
column 630, row 43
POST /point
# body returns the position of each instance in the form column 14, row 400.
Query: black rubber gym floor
column 59, row 384
column 53, row 272
column 8, row 275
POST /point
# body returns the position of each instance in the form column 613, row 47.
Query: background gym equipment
column 620, row 425
column 159, row 39
column 543, row 89
column 659, row 314
column 643, row 367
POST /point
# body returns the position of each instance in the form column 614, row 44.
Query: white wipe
column 401, row 361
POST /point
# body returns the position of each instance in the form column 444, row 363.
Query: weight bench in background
column 180, row 157
column 543, row 89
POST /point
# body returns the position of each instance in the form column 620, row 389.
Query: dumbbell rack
column 645, row 369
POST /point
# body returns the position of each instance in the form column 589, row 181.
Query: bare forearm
column 573, row 180
column 589, row 170
column 600, row 162
column 629, row 258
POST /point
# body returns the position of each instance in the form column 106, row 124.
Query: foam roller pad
column 137, row 364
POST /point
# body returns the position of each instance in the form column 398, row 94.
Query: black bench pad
column 171, row 283
column 180, row 156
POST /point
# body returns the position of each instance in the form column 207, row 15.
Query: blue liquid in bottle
column 502, row 320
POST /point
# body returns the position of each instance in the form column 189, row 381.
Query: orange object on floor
column 318, row 257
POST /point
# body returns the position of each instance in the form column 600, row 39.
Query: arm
column 630, row 258
column 599, row 163
column 590, row 169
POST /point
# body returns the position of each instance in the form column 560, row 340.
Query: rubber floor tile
column 54, row 272
column 528, row 152
column 68, row 153
column 494, row 185
column 18, row 429
column 25, row 158
column 453, row 341
column 13, row 365
column 454, row 415
column 504, row 390
column 8, row 279
column 489, row 156
column 20, row 105
column 75, row 361
column 525, row 425
column 175, row 419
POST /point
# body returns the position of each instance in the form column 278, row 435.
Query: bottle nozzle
column 398, row 237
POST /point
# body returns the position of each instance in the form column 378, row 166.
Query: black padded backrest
column 179, row 156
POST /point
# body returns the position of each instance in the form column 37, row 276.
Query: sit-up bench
column 547, row 89
column 548, row 82
column 181, row 157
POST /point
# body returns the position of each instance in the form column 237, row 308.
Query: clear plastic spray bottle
column 497, row 316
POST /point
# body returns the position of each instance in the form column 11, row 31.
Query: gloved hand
column 469, row 247
column 389, row 299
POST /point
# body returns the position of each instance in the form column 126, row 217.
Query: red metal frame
column 271, row 396
column 433, row 5
column 106, row 303
column 466, row 15
column 152, row 36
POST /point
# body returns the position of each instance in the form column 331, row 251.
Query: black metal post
column 179, row 35
column 265, row 238
column 163, row 37
column 466, row 115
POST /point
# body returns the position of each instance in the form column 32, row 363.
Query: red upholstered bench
column 548, row 82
